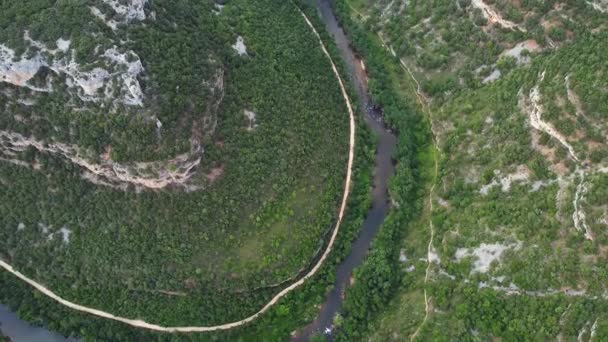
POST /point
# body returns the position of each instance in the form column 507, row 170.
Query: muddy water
column 383, row 170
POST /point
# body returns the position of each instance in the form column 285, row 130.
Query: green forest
column 174, row 256
column 182, row 162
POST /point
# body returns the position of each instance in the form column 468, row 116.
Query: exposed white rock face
column 239, row 46
column 111, row 83
column 578, row 216
column 152, row 175
column 133, row 95
column 89, row 81
column 218, row 9
column 65, row 234
column 402, row 256
column 522, row 174
column 101, row 169
column 442, row 202
column 134, row 9
column 492, row 77
column 122, row 73
column 574, row 98
column 47, row 231
column 45, row 228
column 532, row 106
column 599, row 5
column 516, row 52
column 432, row 256
column 542, row 183
column 495, row 17
column 113, row 24
column 63, row 45
column 251, row 116
column 387, row 9
column 484, row 255
column 18, row 72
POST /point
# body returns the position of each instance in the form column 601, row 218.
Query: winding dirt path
column 142, row 324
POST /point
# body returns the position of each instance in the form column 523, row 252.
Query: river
column 384, row 169
column 20, row 331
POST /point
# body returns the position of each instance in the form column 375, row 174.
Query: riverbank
column 377, row 279
column 17, row 330
column 383, row 171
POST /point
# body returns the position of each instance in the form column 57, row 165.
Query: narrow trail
column 428, row 305
column 142, row 324
column 423, row 100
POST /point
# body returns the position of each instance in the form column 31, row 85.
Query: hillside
column 513, row 242
column 342, row 170
column 452, row 45
column 77, row 78
column 149, row 153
